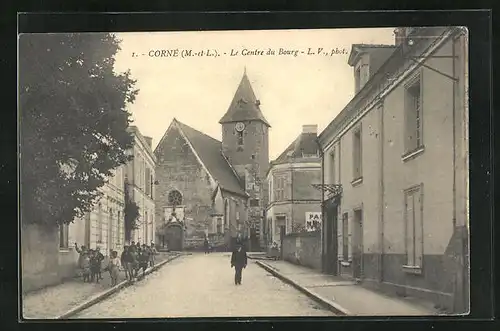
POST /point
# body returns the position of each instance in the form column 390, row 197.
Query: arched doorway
column 174, row 234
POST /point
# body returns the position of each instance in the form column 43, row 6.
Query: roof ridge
column 375, row 45
column 198, row 131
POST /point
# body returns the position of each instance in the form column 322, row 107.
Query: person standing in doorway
column 239, row 262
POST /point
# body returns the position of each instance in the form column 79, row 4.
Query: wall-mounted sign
column 313, row 221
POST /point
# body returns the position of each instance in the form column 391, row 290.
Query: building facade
column 395, row 172
column 103, row 227
column 292, row 200
column 213, row 188
column 140, row 178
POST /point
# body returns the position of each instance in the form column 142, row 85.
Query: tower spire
column 244, row 106
column 244, row 70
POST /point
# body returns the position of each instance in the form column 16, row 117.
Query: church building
column 211, row 188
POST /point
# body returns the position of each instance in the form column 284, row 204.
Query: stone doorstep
column 102, row 295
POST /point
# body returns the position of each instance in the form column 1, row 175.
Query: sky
column 197, row 90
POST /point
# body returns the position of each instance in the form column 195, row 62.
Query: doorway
column 174, row 236
column 331, row 216
column 282, row 239
column 357, row 244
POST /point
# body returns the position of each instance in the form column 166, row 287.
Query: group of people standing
column 133, row 258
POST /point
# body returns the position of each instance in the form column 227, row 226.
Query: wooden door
column 174, row 236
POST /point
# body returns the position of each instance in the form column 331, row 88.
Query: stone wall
column 39, row 257
column 178, row 169
column 303, row 249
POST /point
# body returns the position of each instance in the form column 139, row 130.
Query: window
column 279, row 190
column 147, row 180
column 110, row 230
column 249, row 180
column 119, row 227
column 254, row 202
column 357, row 80
column 240, row 138
column 175, row 198
column 357, row 154
column 413, row 116
column 414, row 227
column 151, row 184
column 270, row 188
column 99, row 225
column 345, row 237
column 226, row 214
column 146, row 219
column 63, row 236
column 332, row 167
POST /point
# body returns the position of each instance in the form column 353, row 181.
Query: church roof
column 305, row 145
column 210, row 152
column 245, row 106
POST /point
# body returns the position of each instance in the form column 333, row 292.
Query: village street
column 202, row 285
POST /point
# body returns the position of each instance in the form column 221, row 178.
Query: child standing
column 95, row 266
column 152, row 253
column 114, row 267
column 85, row 265
column 144, row 259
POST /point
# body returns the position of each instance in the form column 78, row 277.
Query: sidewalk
column 56, row 300
column 343, row 296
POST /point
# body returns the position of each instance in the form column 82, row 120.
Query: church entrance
column 174, row 234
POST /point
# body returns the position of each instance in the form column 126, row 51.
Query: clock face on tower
column 240, row 126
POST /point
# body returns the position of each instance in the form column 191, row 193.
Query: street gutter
column 103, row 295
column 330, row 305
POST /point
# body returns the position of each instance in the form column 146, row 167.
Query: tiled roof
column 305, row 145
column 244, row 106
column 210, row 152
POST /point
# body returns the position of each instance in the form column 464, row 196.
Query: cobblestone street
column 203, row 286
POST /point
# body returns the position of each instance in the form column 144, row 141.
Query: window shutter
column 410, row 234
column 418, row 229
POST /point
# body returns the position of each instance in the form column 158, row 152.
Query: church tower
column 245, row 143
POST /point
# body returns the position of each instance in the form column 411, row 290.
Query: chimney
column 400, row 36
column 149, row 140
column 310, row 128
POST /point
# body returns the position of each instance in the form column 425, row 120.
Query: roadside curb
column 335, row 307
column 103, row 295
column 259, row 257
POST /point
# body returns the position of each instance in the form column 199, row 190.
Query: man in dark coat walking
column 206, row 246
column 238, row 261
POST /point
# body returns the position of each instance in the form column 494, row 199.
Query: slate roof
column 305, row 144
column 210, row 152
column 244, row 106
